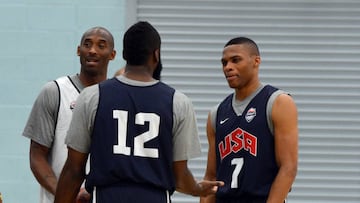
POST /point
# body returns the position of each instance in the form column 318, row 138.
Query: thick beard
column 157, row 71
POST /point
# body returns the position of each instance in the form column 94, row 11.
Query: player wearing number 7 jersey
column 252, row 133
column 139, row 131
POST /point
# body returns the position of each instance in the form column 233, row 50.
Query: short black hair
column 140, row 40
column 246, row 41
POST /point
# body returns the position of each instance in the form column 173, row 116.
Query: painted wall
column 38, row 44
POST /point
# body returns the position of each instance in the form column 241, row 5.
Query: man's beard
column 157, row 71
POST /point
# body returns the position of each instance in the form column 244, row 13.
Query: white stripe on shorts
column 167, row 197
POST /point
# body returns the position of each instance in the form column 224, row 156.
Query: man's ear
column 78, row 51
column 112, row 55
column 157, row 55
column 257, row 60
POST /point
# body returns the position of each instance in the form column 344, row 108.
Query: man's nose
column 93, row 50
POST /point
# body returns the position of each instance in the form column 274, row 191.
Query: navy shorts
column 242, row 199
column 134, row 193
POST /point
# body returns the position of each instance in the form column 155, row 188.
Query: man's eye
column 102, row 46
column 87, row 44
column 236, row 60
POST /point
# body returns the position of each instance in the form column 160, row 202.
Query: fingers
column 220, row 183
column 83, row 196
column 211, row 186
column 212, row 183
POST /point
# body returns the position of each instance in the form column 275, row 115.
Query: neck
column 139, row 73
column 242, row 93
column 88, row 80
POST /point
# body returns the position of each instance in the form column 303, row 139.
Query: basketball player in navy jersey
column 139, row 132
column 252, row 133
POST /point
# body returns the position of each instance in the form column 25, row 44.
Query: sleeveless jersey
column 245, row 148
column 68, row 95
column 131, row 143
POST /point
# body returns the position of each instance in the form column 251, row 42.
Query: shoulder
column 213, row 111
column 89, row 97
column 278, row 97
column 181, row 102
column 49, row 93
column 281, row 103
column 282, row 98
column 50, row 87
column 180, row 97
column 182, row 105
column 278, row 94
column 89, row 93
column 228, row 100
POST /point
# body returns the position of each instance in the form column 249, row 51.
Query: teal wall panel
column 39, row 39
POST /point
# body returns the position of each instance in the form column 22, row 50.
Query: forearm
column 46, row 178
column 188, row 184
column 282, row 185
column 41, row 168
column 71, row 177
column 68, row 186
column 208, row 199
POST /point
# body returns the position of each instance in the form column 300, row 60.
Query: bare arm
column 186, row 183
column 41, row 168
column 284, row 116
column 210, row 173
column 71, row 177
column 40, row 129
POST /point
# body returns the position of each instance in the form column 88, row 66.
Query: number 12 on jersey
column 139, row 140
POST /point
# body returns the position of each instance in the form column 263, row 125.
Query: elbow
column 292, row 173
column 289, row 170
column 34, row 162
column 32, row 167
column 38, row 156
column 179, row 187
column 293, row 169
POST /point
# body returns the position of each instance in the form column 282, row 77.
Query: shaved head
column 99, row 31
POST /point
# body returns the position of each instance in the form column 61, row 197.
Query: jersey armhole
column 269, row 106
column 58, row 106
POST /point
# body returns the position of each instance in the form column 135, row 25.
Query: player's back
column 132, row 141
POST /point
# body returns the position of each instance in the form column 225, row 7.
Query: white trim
column 167, row 196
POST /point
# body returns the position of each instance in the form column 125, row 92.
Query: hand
column 208, row 187
column 83, row 196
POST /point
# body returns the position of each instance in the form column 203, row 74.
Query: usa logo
column 250, row 114
column 72, row 105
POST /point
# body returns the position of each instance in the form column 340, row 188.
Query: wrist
column 198, row 189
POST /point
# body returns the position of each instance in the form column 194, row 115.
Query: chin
column 232, row 85
column 93, row 71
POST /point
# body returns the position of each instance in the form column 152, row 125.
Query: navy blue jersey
column 131, row 143
column 245, row 149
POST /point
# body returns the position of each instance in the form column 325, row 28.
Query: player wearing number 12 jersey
column 138, row 131
column 252, row 133
column 137, row 157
